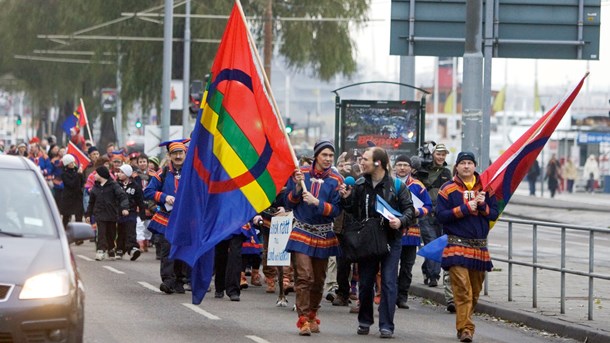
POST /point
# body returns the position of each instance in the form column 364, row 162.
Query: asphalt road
column 123, row 304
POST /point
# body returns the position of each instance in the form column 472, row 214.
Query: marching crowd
column 128, row 199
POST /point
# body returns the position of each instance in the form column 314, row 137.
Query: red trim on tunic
column 328, row 209
column 457, row 212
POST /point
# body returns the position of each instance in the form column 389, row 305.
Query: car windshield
column 24, row 210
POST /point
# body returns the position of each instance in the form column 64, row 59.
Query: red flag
column 238, row 160
column 80, row 156
column 81, row 115
column 506, row 173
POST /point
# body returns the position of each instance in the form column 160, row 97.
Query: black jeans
column 344, row 268
column 126, row 236
column 368, row 275
column 172, row 271
column 106, row 234
column 227, row 262
column 430, row 230
column 407, row 259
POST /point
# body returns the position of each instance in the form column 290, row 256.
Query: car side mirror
column 77, row 231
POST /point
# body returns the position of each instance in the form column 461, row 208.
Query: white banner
column 281, row 226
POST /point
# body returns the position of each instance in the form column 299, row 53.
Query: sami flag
column 506, row 173
column 237, row 162
column 76, row 118
column 80, row 156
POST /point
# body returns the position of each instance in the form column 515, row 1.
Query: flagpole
column 267, row 84
column 87, row 121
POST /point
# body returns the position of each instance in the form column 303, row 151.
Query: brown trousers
column 309, row 285
column 466, row 285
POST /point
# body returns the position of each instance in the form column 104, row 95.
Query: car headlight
column 46, row 285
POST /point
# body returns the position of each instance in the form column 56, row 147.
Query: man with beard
column 360, row 201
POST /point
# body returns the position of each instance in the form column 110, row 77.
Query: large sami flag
column 506, row 173
column 237, row 162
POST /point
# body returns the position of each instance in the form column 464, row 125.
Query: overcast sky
column 373, row 47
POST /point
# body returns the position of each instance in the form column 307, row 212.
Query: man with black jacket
column 106, row 199
column 360, row 202
column 435, row 174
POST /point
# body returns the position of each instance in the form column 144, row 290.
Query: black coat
column 72, row 195
column 400, row 200
column 107, row 201
column 136, row 200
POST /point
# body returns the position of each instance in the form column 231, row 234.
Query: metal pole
column 591, row 269
column 186, row 79
column 488, row 53
column 534, row 269
column 562, row 299
column 338, row 142
column 119, row 104
column 407, row 75
column 168, row 23
column 510, row 261
column 407, row 63
column 472, row 115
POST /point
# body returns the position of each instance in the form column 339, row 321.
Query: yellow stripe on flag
column 231, row 162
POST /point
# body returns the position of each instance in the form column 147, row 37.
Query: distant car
column 41, row 293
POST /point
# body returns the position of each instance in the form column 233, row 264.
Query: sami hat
column 176, row 145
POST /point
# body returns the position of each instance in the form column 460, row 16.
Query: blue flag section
column 434, row 249
column 383, row 208
column 70, row 122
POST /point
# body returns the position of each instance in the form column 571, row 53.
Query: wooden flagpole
column 82, row 104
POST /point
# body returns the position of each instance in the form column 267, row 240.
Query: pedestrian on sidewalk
column 570, row 173
column 465, row 210
column 591, row 173
column 532, row 177
column 553, row 174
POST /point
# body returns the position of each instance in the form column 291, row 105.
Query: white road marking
column 114, row 270
column 149, row 286
column 257, row 339
column 201, row 311
column 85, row 258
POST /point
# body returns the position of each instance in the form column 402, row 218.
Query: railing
column 590, row 274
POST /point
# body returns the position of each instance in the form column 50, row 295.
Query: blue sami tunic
column 158, row 189
column 412, row 235
column 458, row 220
column 324, row 186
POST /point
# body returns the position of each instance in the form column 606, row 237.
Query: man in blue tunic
column 312, row 239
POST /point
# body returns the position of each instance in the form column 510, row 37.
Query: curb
column 556, row 326
column 552, row 325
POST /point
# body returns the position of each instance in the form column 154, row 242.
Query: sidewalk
column 582, row 209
